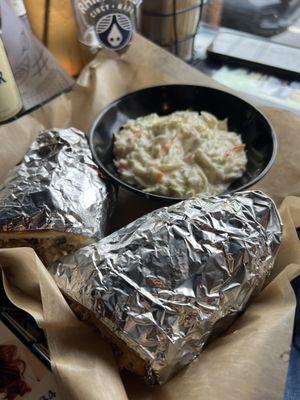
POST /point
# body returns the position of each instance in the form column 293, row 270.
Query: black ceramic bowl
column 243, row 118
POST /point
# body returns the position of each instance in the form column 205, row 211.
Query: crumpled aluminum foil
column 171, row 280
column 56, row 187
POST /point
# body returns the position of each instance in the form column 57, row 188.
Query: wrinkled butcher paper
column 250, row 360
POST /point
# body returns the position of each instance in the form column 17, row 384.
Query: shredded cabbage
column 183, row 154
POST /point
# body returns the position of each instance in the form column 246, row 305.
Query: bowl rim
column 153, row 196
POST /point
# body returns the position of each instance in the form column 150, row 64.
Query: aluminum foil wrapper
column 168, row 282
column 56, row 187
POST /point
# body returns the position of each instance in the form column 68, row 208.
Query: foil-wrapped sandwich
column 164, row 285
column 55, row 200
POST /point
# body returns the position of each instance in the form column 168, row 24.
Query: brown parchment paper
column 81, row 359
column 250, row 361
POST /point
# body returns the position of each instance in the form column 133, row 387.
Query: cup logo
column 106, row 23
column 114, row 31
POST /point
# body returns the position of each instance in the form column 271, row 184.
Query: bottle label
column 10, row 100
column 18, row 6
column 112, row 20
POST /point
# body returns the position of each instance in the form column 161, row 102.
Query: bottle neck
column 10, row 99
column 18, row 7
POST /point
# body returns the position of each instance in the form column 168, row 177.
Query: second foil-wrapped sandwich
column 55, row 200
column 161, row 287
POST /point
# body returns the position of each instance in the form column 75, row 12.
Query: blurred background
column 188, row 28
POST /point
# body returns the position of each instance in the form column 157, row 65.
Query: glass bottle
column 10, row 99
